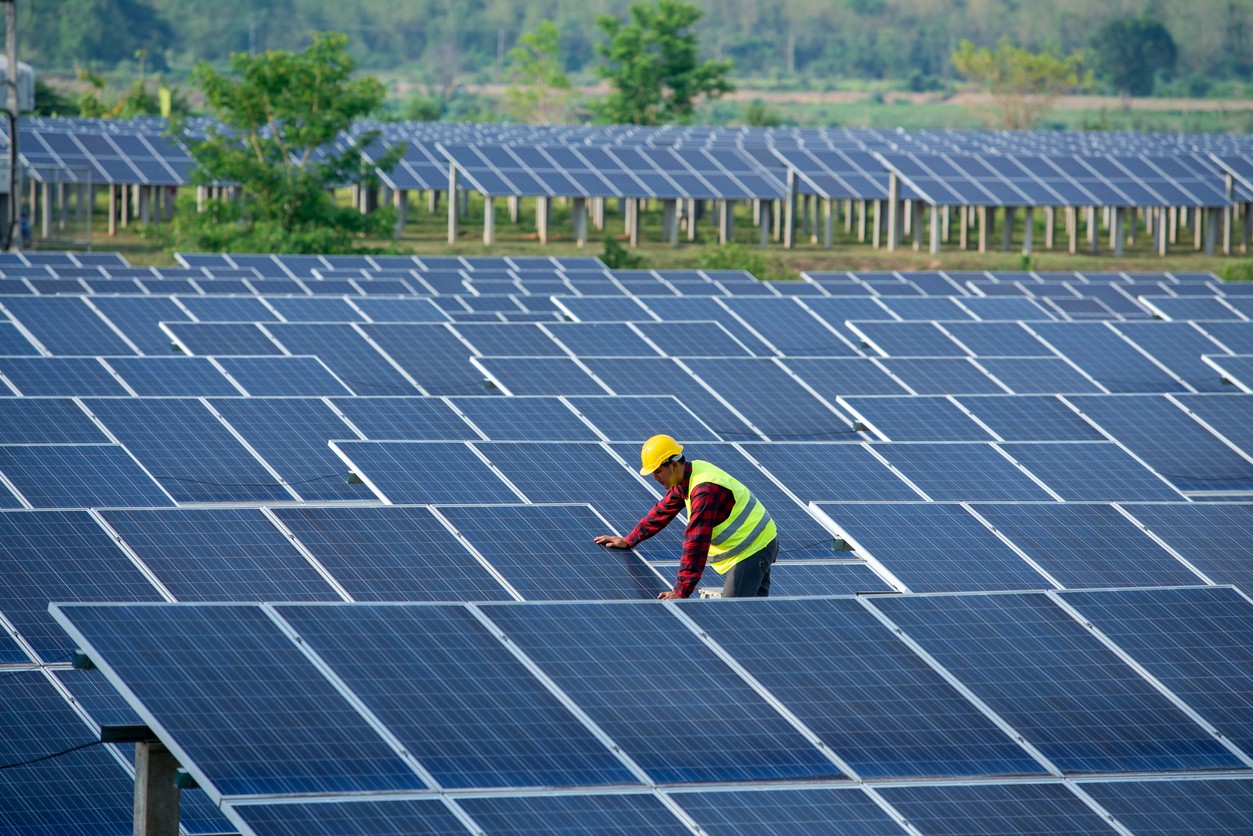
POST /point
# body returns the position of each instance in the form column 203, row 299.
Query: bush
column 737, row 257
column 616, row 257
column 1237, row 271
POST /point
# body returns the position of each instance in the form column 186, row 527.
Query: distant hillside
column 817, row 40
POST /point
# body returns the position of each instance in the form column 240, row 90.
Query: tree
column 1130, row 52
column 1024, row 85
column 284, row 114
column 652, row 67
column 49, row 101
column 539, row 88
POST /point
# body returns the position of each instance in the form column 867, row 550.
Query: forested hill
column 814, row 39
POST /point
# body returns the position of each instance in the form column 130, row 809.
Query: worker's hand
column 611, row 541
column 668, row 595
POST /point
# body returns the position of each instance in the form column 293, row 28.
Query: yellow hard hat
column 657, row 451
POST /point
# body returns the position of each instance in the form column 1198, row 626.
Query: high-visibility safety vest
column 747, row 530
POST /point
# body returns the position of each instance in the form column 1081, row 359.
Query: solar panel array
column 335, row 547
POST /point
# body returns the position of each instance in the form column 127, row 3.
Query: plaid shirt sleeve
column 711, row 504
column 666, row 509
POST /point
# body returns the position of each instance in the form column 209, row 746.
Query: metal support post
column 963, row 226
column 489, row 220
column 1050, row 226
column 1211, row 229
column 726, row 221
column 915, row 222
column 1093, row 232
column 542, row 216
column 862, row 211
column 452, row 205
column 633, row 221
column 691, row 219
column 894, row 210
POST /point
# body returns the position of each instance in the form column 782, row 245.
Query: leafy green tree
column 757, row 114
column 49, row 101
column 651, row 64
column 1130, row 52
column 283, row 113
column 539, row 89
column 99, row 32
column 1024, row 85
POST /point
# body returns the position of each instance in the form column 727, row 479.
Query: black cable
column 49, row 757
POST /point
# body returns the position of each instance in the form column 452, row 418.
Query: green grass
column 427, row 234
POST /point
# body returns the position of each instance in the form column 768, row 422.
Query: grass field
column 426, row 233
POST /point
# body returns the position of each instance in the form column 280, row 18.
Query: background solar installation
column 1060, row 471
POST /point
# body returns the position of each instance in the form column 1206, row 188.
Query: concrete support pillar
column 156, row 797
column 452, row 205
column 1116, row 234
column 489, row 220
column 776, row 219
column 983, row 229
column 515, row 207
column 1050, row 226
column 400, row 200
column 1131, row 216
column 907, row 219
column 691, row 219
column 1229, row 215
column 756, row 211
column 1028, row 229
column 848, row 215
column 1072, row 228
column 543, row 214
column 578, row 215
column 1160, row 231
column 1211, row 229
column 1172, row 220
column 1199, row 221
column 726, row 221
column 915, row 223
column 1007, row 234
column 880, row 215
column 670, row 222
column 113, row 206
column 1093, row 232
column 863, row 208
column 764, row 226
column 828, row 227
column 598, row 212
column 45, row 220
column 1247, row 223
column 963, row 226
column 945, row 223
column 935, row 228
column 633, row 221
column 894, row 210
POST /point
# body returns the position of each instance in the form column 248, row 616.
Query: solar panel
column 643, row 814
column 190, row 667
column 524, row 419
column 1190, row 308
column 187, row 450
column 60, row 376
column 1234, row 336
column 78, row 476
column 559, row 560
column 139, row 318
column 1229, row 415
column 996, row 339
column 358, row 817
column 66, row 326
column 419, row 472
column 906, row 339
column 827, row 472
column 94, row 694
column 932, row 547
column 601, row 339
column 1090, row 472
column 455, row 674
column 790, row 329
column 694, row 339
column 910, row 418
column 1178, row 346
column 230, row 309
column 833, row 377
column 87, row 788
column 1037, row 375
column 288, row 377
column 972, row 809
column 346, row 353
column 793, row 812
column 1170, row 441
column 405, row 419
column 634, row 668
column 388, row 554
column 223, row 339
column 862, row 691
column 1088, row 546
column 635, row 417
column 537, row 375
column 961, row 472
column 1004, row 308
column 942, row 376
column 1106, row 357
column 13, row 342
column 171, row 376
column 307, row 309
column 399, row 310
column 510, row 340
column 1055, row 683
column 1165, row 807
column 46, row 421
column 604, row 308
column 927, row 309
column 791, row 578
column 59, row 556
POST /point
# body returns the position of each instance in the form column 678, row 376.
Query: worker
column 725, row 523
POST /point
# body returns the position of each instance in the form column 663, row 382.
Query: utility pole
column 13, row 221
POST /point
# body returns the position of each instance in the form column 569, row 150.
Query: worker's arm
column 710, row 505
column 666, row 509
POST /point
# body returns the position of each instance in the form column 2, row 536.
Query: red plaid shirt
column 711, row 505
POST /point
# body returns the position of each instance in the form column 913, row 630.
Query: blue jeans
column 750, row 578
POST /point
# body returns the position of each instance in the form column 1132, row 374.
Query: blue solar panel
column 703, row 309
column 788, row 812
column 942, row 376
column 863, row 691
column 932, row 547
column 791, row 578
column 60, row 556
column 1090, row 472
column 992, row 809
column 908, row 418
column 1230, row 415
column 906, row 339
column 1190, row 307
column 190, row 667
column 473, row 715
column 961, row 472
column 1029, row 418
column 46, row 421
column 13, row 342
column 172, row 376
column 389, row 553
column 643, row 814
column 834, row 377
column 314, row 309
column 1212, row 808
column 187, row 450
column 60, row 376
column 138, row 317
column 433, row 355
column 602, row 339
column 1054, row 682
column 361, row 817
column 418, row 472
column 1037, row 375
column 634, row 669
column 1178, row 346
column 694, row 339
column 1194, row 641
column 1086, row 546
column 605, row 308
column 66, row 325
column 831, row 472
column 927, row 309
column 1237, row 337
column 560, row 561
column 1107, row 357
column 400, row 310
column 997, row 339
column 230, row 309
column 291, row 434
column 1004, row 308
column 85, row 791
column 539, row 375
column 510, row 340
column 791, row 329
column 636, row 417
column 346, row 353
column 78, row 476
column 405, row 419
column 97, row 696
column 1170, row 441
column 283, row 376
